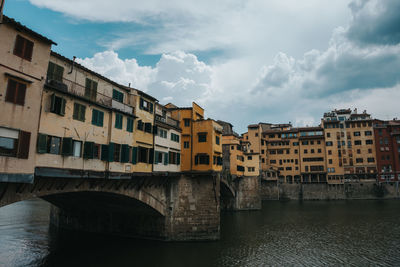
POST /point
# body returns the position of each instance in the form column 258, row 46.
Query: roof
column 55, row 54
column 17, row 25
column 146, row 95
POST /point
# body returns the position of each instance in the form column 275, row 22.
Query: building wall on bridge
column 23, row 62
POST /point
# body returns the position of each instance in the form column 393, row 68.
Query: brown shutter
column 11, row 91
column 19, row 46
column 21, row 94
column 28, row 50
column 23, row 144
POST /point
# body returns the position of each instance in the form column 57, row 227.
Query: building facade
column 387, row 146
column 167, row 141
column 24, row 56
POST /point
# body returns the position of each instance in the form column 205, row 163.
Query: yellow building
column 350, row 149
column 201, row 145
column 24, row 56
column 87, row 122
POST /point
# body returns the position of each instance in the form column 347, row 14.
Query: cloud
column 375, row 22
column 352, row 71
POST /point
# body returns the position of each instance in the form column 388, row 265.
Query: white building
column 167, row 142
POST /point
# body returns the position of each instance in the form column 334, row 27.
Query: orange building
column 201, row 146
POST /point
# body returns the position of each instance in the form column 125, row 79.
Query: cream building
column 24, row 56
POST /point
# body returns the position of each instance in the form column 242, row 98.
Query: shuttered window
column 104, row 152
column 90, row 89
column 147, row 127
column 134, row 155
column 23, row 48
column 88, row 149
column 79, row 112
column 140, row 125
column 118, row 120
column 146, row 105
column 23, row 144
column 41, row 146
column 15, row 92
column 55, row 72
column 129, row 125
column 124, row 153
column 97, row 117
column 67, row 146
column 57, row 105
column 118, row 96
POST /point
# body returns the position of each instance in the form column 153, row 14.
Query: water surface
column 283, row 233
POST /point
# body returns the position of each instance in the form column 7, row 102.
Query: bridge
column 163, row 206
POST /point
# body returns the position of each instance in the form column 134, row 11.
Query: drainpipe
column 72, row 65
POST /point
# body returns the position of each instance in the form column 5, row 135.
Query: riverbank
column 348, row 191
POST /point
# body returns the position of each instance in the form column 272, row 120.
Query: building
column 86, row 121
column 387, row 146
column 167, row 141
column 350, row 149
column 24, row 57
column 201, row 146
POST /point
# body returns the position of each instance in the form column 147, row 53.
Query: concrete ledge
column 16, row 178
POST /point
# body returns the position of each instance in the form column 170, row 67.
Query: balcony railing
column 92, row 95
column 167, row 120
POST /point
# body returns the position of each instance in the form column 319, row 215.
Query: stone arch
column 153, row 197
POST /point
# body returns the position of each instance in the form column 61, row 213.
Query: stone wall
column 194, row 208
column 359, row 190
column 248, row 193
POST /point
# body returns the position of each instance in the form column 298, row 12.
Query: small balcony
column 68, row 86
column 167, row 120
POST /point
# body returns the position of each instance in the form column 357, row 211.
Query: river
column 357, row 233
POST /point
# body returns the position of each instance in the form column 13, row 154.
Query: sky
column 243, row 61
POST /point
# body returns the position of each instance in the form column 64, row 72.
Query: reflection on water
column 283, row 233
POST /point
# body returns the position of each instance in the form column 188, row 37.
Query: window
column 79, row 112
column 330, row 161
column 305, row 151
column 91, row 89
column 96, row 151
column 202, row 159
column 174, row 157
column 129, row 125
column 329, row 152
column 53, row 145
column 15, row 92
column 158, row 157
column 256, row 134
column 57, row 105
column 143, row 154
column 23, row 48
column 97, row 117
column 202, row 137
column 186, row 144
column 146, row 105
column 272, row 161
column 77, row 148
column 359, row 160
column 357, row 143
column 8, row 142
column 118, row 96
column 186, row 122
column 175, row 137
column 162, row 133
column 312, row 151
column 304, row 143
column 329, row 143
column 250, row 169
column 217, row 140
column 249, row 157
column 368, row 133
column 370, row 159
column 147, row 127
column 328, row 134
column 356, row 134
column 117, row 152
column 319, row 150
column 55, row 72
column 140, row 125
column 118, row 120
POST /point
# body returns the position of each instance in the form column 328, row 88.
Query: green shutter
column 75, row 115
column 151, row 155
column 42, row 143
column 101, row 118
column 67, row 144
column 62, row 110
column 165, row 158
column 178, row 158
column 94, row 117
column 104, row 152
column 59, row 71
column 151, row 107
column 141, row 103
column 53, row 103
column 196, row 160
column 50, row 71
column 88, row 87
column 88, row 150
column 82, row 111
column 134, row 155
column 125, row 153
column 110, row 152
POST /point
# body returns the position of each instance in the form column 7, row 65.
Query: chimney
column 355, row 111
column 1, row 10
